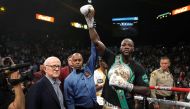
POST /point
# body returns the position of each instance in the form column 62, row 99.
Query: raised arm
column 89, row 12
column 19, row 101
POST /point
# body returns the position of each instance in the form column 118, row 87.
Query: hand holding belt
column 120, row 82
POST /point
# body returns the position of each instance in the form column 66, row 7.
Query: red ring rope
column 177, row 89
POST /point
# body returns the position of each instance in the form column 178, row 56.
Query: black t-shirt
column 140, row 78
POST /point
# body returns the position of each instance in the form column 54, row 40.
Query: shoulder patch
column 153, row 74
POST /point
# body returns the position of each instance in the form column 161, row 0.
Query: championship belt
column 123, row 73
column 121, row 70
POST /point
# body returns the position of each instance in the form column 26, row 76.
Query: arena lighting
column 181, row 10
column 125, row 26
column 45, row 18
column 124, row 18
column 78, row 25
column 163, row 15
column 2, row 9
column 85, row 26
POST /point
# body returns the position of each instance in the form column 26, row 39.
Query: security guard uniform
column 162, row 78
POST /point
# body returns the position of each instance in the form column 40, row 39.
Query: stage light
column 79, row 25
column 163, row 15
column 181, row 10
column 45, row 18
column 85, row 27
column 2, row 9
column 76, row 25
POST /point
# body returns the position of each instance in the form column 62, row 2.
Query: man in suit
column 46, row 94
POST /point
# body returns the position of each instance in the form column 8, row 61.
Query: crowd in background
column 36, row 51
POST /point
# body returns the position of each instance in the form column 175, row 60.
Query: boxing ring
column 176, row 89
column 163, row 101
column 169, row 102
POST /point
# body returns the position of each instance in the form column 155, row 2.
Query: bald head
column 76, row 54
column 127, row 40
column 127, row 47
column 77, row 60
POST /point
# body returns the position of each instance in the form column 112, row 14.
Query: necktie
column 59, row 94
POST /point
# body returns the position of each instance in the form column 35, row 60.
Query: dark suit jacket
column 42, row 96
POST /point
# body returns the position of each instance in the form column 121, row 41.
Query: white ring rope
column 169, row 102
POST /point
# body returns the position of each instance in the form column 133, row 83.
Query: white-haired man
column 46, row 94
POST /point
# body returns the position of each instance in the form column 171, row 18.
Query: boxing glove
column 88, row 11
column 120, row 82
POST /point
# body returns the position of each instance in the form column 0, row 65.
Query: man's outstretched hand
column 89, row 12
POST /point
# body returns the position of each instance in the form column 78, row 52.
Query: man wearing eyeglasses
column 46, row 94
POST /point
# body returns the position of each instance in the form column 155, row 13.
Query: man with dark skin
column 77, row 60
column 79, row 86
column 136, row 82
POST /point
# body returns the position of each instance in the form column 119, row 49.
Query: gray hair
column 49, row 59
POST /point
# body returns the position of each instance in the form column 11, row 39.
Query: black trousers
column 161, row 97
column 165, row 97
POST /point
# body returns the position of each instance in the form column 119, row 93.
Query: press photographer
column 11, row 83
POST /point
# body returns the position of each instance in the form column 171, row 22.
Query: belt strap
column 122, row 100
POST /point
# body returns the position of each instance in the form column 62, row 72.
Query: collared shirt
column 161, row 78
column 79, row 86
column 56, row 83
column 53, row 81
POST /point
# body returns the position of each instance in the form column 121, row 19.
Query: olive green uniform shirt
column 161, row 78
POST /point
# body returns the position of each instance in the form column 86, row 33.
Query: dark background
column 19, row 20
